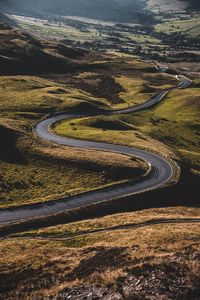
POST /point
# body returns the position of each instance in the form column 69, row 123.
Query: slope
column 21, row 53
column 113, row 9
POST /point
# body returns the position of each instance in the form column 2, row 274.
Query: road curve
column 161, row 174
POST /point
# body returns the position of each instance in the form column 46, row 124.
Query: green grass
column 26, row 99
column 31, row 94
column 46, row 173
column 79, row 128
column 105, row 123
column 132, row 83
column 136, row 90
column 38, row 180
column 174, row 122
column 144, row 39
column 188, row 26
column 139, row 88
column 62, row 32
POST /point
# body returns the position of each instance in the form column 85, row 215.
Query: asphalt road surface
column 161, row 173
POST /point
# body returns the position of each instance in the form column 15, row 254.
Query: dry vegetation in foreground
column 151, row 261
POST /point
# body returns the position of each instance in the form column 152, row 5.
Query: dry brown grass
column 100, row 158
column 109, row 260
column 138, row 217
column 193, row 101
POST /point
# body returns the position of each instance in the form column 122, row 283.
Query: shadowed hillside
column 193, row 4
column 7, row 21
column 110, row 10
column 21, row 53
column 166, row 5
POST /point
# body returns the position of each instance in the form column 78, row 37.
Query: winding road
column 161, row 173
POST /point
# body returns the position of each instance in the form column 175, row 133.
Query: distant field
column 171, row 6
column 144, row 39
column 157, row 41
column 59, row 30
column 165, row 5
column 190, row 26
column 93, row 32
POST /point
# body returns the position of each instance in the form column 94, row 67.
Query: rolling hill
column 21, row 53
column 192, row 4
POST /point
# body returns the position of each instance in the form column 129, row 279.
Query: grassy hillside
column 26, row 99
column 138, row 255
column 174, row 122
column 103, row 81
column 116, row 256
column 21, row 53
column 33, row 172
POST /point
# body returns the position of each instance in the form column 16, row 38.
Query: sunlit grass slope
column 174, row 122
column 76, row 257
column 31, row 172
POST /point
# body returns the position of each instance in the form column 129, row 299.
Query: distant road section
column 161, row 173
